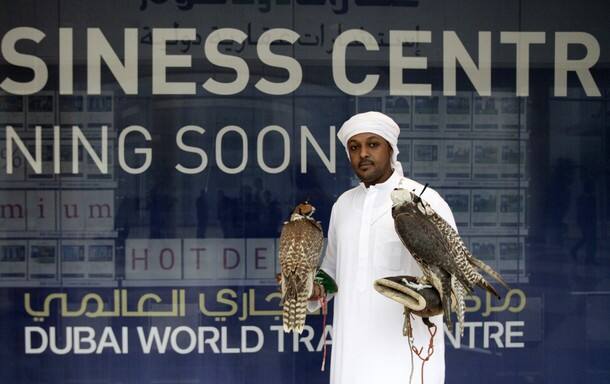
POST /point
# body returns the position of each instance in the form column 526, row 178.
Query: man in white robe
column 368, row 345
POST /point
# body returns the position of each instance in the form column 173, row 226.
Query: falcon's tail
column 488, row 270
column 488, row 287
column 460, row 306
column 295, row 304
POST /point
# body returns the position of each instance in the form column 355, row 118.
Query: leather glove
column 424, row 301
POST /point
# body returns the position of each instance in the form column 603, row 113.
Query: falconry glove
column 327, row 282
column 419, row 299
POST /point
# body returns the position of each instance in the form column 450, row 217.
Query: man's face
column 370, row 156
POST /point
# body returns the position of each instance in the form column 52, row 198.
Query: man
column 368, row 346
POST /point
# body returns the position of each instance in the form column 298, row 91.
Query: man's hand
column 318, row 292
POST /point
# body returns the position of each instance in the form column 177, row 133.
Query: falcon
column 445, row 261
column 301, row 243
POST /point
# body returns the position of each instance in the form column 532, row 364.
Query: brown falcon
column 440, row 252
column 301, row 243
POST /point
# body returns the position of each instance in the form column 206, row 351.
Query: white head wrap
column 373, row 122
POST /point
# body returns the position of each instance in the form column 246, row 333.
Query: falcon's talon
column 416, row 286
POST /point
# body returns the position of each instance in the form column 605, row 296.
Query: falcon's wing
column 423, row 237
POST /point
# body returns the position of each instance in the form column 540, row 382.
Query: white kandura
column 368, row 345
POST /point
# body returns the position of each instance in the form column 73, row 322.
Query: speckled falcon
column 440, row 252
column 301, row 243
